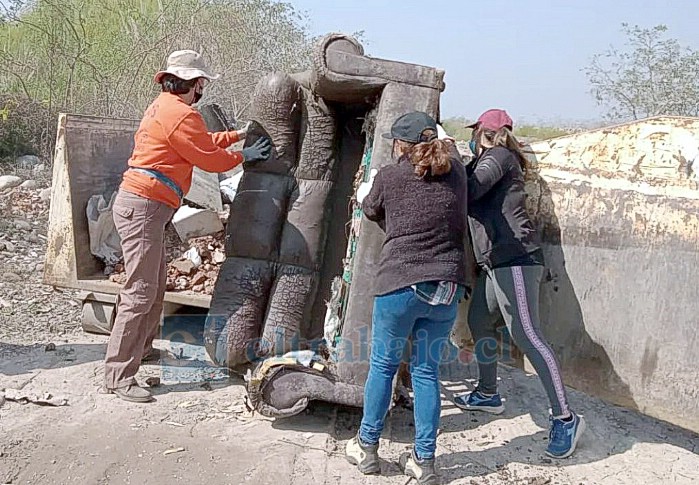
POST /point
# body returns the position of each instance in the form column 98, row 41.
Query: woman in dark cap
column 512, row 265
column 420, row 202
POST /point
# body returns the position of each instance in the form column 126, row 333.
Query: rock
column 7, row 246
column 9, row 181
column 39, row 168
column 29, row 184
column 183, row 266
column 28, row 161
column 11, row 278
column 32, row 238
column 39, row 267
column 45, row 195
column 23, row 225
column 218, row 257
column 198, row 288
column 198, row 279
column 153, row 381
column 190, row 223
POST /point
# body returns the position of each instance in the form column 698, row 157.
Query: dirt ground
column 198, row 430
column 98, row 439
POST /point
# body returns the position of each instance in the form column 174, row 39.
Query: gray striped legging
column 513, row 292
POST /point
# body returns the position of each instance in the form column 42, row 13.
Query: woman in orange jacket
column 171, row 140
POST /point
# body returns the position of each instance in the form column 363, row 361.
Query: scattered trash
column 172, row 423
column 303, row 357
column 105, row 243
column 193, row 255
column 173, row 450
column 153, row 381
column 24, row 397
column 50, row 347
column 186, row 272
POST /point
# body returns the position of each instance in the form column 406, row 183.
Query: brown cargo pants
column 140, row 223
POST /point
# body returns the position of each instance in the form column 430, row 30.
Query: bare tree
column 653, row 75
column 99, row 56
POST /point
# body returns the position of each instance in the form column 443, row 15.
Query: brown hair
column 504, row 138
column 430, row 156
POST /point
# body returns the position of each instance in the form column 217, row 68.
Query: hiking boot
column 475, row 401
column 364, row 457
column 422, row 471
column 564, row 435
column 132, row 393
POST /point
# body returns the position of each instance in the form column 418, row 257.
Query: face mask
column 473, row 147
column 197, row 96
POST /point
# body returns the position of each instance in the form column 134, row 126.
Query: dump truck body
column 618, row 213
column 91, row 156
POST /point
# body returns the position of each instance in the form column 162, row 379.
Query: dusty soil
column 198, row 430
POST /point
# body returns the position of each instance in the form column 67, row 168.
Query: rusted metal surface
column 618, row 212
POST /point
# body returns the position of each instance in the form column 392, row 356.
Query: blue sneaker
column 475, row 401
column 564, row 436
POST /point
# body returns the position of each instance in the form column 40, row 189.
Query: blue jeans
column 397, row 316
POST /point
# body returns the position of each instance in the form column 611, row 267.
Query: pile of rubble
column 194, row 268
column 29, row 311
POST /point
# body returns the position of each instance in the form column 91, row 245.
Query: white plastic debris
column 193, row 255
column 303, row 357
column 105, row 242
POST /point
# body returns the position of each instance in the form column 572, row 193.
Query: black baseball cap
column 409, row 127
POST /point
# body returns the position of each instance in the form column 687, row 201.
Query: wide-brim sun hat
column 186, row 64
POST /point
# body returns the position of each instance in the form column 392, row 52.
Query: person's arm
column 193, row 143
column 487, row 172
column 373, row 203
column 224, row 139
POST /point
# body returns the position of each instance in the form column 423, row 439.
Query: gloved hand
column 258, row 151
column 365, row 187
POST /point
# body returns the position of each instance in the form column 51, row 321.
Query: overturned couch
column 299, row 259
